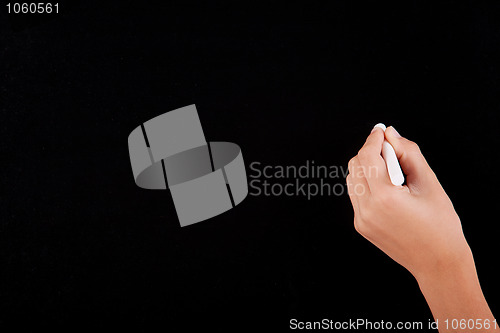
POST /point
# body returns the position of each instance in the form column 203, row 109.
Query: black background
column 81, row 245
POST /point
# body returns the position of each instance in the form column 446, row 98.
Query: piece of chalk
column 391, row 160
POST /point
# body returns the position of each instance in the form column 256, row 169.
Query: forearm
column 455, row 298
column 417, row 226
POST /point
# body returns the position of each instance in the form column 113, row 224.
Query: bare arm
column 417, row 226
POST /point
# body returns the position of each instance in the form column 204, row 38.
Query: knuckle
column 358, row 226
column 363, row 154
column 351, row 162
column 413, row 147
column 363, row 227
column 366, row 214
column 348, row 181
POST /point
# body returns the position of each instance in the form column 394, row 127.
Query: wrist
column 455, row 268
column 452, row 285
column 452, row 291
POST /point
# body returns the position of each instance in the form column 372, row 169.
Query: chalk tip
column 380, row 125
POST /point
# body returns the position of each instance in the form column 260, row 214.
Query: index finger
column 372, row 162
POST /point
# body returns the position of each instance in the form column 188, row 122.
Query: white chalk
column 391, row 160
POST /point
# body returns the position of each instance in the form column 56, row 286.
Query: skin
column 417, row 226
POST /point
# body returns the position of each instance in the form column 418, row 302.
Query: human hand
column 415, row 224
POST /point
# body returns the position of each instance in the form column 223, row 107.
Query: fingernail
column 396, row 134
column 379, row 125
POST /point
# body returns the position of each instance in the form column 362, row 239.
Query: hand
column 417, row 226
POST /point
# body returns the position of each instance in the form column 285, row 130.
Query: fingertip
column 375, row 138
column 377, row 128
column 376, row 135
column 391, row 131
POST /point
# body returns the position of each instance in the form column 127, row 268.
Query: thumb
column 419, row 175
